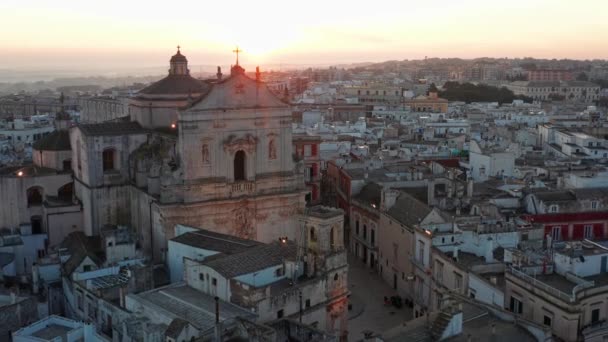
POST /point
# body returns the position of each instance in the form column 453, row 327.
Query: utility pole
column 300, row 295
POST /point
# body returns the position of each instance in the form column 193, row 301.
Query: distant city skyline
column 123, row 34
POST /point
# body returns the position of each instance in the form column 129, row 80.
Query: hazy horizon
column 113, row 35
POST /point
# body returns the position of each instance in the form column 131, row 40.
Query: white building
column 546, row 90
column 490, row 162
column 57, row 328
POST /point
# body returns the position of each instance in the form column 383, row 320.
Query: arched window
column 108, row 159
column 332, row 241
column 65, row 192
column 239, row 166
column 313, row 236
column 34, row 196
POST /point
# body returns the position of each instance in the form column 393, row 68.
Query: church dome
column 178, row 82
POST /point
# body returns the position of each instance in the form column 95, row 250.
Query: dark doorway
column 395, row 281
column 372, row 260
column 36, row 222
column 239, row 166
column 34, row 196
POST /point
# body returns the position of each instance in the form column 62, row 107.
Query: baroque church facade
column 211, row 154
column 215, row 154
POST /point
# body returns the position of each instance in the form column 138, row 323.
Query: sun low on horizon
column 135, row 33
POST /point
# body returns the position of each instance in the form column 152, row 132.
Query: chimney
column 490, row 251
column 388, row 199
column 470, row 188
column 455, row 253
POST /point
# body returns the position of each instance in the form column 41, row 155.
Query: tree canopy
column 468, row 92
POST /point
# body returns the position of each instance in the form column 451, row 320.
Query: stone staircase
column 439, row 325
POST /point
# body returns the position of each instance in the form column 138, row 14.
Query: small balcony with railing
column 242, row 188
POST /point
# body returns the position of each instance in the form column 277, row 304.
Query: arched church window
column 313, row 236
column 239, row 166
column 108, row 159
column 332, row 242
column 65, row 192
column 34, row 196
column 272, row 150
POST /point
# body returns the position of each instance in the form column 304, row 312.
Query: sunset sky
column 123, row 34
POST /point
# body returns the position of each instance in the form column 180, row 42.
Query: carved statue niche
column 243, row 226
column 205, row 156
column 205, row 153
column 272, row 150
column 272, row 146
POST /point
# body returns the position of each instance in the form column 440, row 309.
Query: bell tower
column 179, row 64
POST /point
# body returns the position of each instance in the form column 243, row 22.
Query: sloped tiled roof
column 112, row 128
column 253, row 259
column 213, row 241
column 370, row 194
column 175, row 328
column 408, row 210
column 79, row 247
column 556, row 196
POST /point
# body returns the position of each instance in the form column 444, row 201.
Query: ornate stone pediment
column 246, row 143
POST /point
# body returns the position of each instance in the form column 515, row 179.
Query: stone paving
column 368, row 312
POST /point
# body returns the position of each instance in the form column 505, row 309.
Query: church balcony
column 241, row 188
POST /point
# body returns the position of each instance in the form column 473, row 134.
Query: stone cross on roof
column 237, row 50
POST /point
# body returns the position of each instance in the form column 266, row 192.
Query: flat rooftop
column 191, row 305
column 557, row 281
column 52, row 331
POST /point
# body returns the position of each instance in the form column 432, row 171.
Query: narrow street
column 368, row 311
